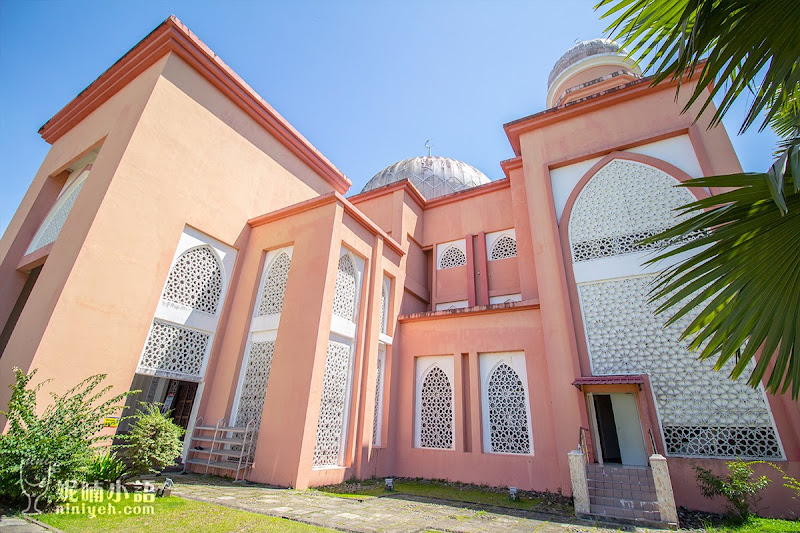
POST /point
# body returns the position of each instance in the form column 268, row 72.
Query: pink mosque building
column 184, row 239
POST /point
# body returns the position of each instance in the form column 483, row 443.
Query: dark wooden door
column 182, row 405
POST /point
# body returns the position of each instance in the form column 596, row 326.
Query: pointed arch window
column 337, row 381
column 508, row 416
column 505, row 409
column 180, row 337
column 275, row 286
column 623, row 203
column 195, row 280
column 503, row 248
column 435, row 422
column 452, row 257
column 257, row 363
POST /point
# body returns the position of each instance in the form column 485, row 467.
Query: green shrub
column 44, row 451
column 154, row 441
column 105, row 468
column 738, row 487
column 789, row 482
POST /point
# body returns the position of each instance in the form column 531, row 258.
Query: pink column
column 471, row 301
column 559, row 339
column 482, row 270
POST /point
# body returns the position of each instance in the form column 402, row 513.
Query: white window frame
column 447, row 306
column 380, row 387
column 262, row 328
column 344, row 331
column 77, row 179
column 492, row 238
column 505, row 298
column 488, row 362
column 441, row 248
column 183, row 316
column 423, row 365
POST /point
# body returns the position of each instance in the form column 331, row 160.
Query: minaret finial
column 428, row 145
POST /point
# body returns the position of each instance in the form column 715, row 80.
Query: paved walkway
column 386, row 514
column 11, row 524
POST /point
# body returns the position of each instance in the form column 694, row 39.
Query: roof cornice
column 325, row 199
column 173, row 36
column 478, row 190
column 588, row 104
column 404, row 184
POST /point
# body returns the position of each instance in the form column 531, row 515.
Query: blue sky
column 366, row 82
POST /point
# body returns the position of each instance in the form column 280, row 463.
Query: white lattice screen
column 508, row 415
column 703, row 413
column 452, row 257
column 179, row 340
column 330, row 425
column 344, row 299
column 173, row 351
column 378, row 412
column 254, row 384
column 436, row 410
column 195, row 280
column 382, row 310
column 254, row 380
column 625, row 201
column 55, row 220
column 337, row 380
column 503, row 248
column 275, row 286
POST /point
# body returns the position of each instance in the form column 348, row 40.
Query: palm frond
column 740, row 40
column 742, row 279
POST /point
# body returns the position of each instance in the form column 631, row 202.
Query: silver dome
column 581, row 51
column 432, row 175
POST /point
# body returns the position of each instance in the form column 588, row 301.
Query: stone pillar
column 663, row 484
column 580, row 487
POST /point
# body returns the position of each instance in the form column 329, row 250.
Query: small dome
column 598, row 56
column 432, row 175
column 582, row 50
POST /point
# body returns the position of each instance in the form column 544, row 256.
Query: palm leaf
column 743, row 279
column 737, row 42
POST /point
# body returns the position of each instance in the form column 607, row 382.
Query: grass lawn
column 168, row 514
column 542, row 502
column 757, row 525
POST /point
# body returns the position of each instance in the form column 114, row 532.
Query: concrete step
column 640, row 495
column 638, row 515
column 619, row 486
column 624, row 503
column 623, row 493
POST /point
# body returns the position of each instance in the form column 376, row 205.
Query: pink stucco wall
column 184, row 146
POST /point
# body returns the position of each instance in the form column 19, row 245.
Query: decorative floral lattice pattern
column 151, row 391
column 377, row 413
column 703, row 412
column 275, row 286
column 624, row 202
column 254, row 384
column 330, row 426
column 174, row 352
column 452, row 257
column 50, row 233
column 383, row 308
column 344, row 298
column 508, row 417
column 436, row 411
column 503, row 247
column 195, row 280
